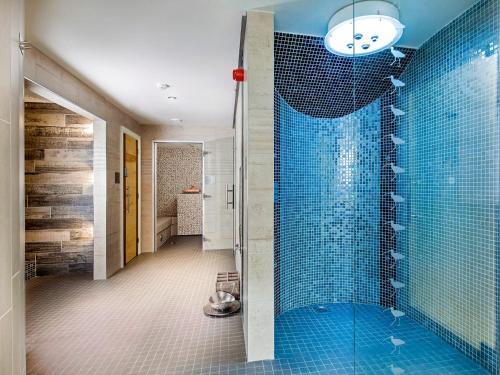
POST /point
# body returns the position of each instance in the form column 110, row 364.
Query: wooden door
column 130, row 197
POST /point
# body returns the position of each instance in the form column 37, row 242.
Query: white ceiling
column 122, row 48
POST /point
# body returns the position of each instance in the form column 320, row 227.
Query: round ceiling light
column 363, row 28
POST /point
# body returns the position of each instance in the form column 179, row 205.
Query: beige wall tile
column 5, row 60
column 5, row 220
column 18, row 328
column 259, row 116
column 6, row 344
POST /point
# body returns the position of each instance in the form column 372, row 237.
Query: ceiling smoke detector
column 162, row 85
column 363, row 28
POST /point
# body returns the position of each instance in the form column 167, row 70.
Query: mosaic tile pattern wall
column 330, row 175
column 178, row 166
column 320, row 84
column 451, row 183
column 328, row 190
column 340, row 177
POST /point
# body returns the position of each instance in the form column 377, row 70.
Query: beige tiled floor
column 146, row 319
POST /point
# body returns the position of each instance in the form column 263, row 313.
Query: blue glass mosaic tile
column 451, row 187
column 335, row 217
column 328, row 189
column 352, row 339
column 320, row 84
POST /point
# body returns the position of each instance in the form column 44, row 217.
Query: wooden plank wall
column 59, row 189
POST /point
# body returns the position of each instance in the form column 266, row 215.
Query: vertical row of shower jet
column 396, row 285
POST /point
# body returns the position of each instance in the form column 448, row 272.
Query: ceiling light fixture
column 172, row 97
column 364, row 28
column 162, row 85
column 175, row 119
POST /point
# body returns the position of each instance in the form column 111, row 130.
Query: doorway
column 130, row 197
column 130, row 207
column 178, row 191
column 65, row 176
column 194, row 192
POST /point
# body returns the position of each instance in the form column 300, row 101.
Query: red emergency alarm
column 239, row 75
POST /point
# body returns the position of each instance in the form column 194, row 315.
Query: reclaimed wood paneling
column 29, row 166
column 45, row 142
column 56, row 131
column 50, row 258
column 61, row 166
column 77, row 120
column 59, row 191
column 41, row 224
column 48, row 189
column 77, row 246
column 34, row 154
column 67, row 155
column 79, row 212
column 59, row 200
column 47, row 235
column 43, row 247
column 76, row 143
column 45, row 108
column 44, row 119
column 59, row 178
column 82, row 234
column 38, row 212
column 64, row 258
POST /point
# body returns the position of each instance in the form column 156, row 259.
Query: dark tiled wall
column 59, row 190
column 320, row 84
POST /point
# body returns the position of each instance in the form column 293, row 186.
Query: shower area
column 387, row 184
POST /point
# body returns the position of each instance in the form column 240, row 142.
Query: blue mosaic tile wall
column 328, row 191
column 337, row 234
column 451, row 184
column 319, row 87
column 333, row 181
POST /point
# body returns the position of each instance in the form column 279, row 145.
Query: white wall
column 12, row 326
column 258, row 270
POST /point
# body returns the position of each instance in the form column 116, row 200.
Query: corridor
column 146, row 319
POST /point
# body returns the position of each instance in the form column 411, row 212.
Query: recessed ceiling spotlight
column 172, row 97
column 162, row 85
column 374, row 27
column 175, row 119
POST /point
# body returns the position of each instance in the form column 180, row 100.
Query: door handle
column 229, row 191
column 127, row 193
column 237, row 248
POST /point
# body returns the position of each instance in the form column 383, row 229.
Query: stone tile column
column 259, row 128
